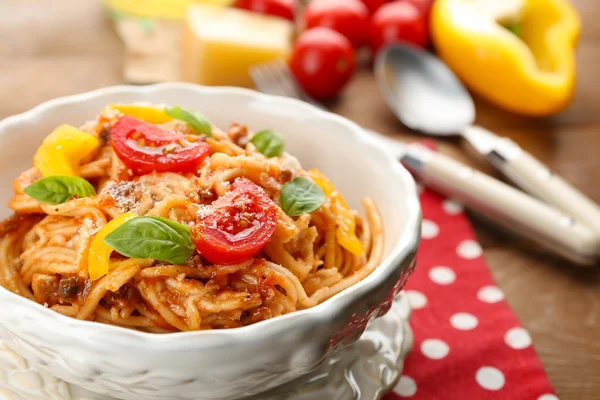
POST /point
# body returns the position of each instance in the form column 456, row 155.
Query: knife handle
column 534, row 177
column 504, row 204
column 537, row 179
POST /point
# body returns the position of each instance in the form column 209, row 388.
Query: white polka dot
column 547, row 397
column 429, row 229
column 452, row 207
column 490, row 378
column 416, row 299
column 464, row 321
column 406, row 387
column 490, row 294
column 435, row 349
column 442, row 275
column 517, row 338
column 469, row 249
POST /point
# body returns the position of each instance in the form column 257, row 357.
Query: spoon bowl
column 423, row 93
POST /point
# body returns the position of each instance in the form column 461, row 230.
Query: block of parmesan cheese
column 220, row 44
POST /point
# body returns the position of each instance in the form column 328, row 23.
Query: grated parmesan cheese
column 124, row 194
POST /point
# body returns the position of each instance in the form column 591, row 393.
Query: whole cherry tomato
column 237, row 225
column 373, row 5
column 398, row 22
column 322, row 61
column 348, row 17
column 279, row 8
column 145, row 147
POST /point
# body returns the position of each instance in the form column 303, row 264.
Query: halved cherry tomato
column 237, row 225
column 279, row 8
column 348, row 17
column 145, row 148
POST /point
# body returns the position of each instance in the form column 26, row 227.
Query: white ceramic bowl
column 232, row 363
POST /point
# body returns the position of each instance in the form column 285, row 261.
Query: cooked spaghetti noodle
column 44, row 248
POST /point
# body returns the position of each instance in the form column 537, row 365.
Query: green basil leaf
column 57, row 189
column 152, row 237
column 195, row 119
column 300, row 196
column 268, row 142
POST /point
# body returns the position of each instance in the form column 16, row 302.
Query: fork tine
column 278, row 68
column 275, row 71
column 268, row 79
column 292, row 82
column 256, row 75
column 276, row 78
column 296, row 88
column 262, row 78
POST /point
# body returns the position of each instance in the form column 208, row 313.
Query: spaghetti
column 45, row 248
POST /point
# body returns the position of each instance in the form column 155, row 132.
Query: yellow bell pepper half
column 63, row 150
column 99, row 253
column 149, row 114
column 345, row 232
column 531, row 72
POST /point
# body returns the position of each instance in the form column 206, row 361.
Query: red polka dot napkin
column 469, row 345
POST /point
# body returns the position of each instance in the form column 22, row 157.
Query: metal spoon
column 426, row 96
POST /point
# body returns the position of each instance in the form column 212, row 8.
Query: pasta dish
column 149, row 217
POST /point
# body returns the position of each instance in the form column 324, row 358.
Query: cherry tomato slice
column 145, row 147
column 237, row 225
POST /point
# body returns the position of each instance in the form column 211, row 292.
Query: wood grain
column 62, row 47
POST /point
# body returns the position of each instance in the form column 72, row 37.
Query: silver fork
column 504, row 204
column 276, row 78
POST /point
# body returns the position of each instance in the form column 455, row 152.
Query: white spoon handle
column 535, row 178
column 504, row 204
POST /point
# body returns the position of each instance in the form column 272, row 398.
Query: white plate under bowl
column 364, row 370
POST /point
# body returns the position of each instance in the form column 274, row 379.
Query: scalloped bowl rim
column 406, row 244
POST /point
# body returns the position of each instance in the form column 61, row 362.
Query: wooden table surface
column 50, row 49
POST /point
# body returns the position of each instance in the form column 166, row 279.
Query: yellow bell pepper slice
column 99, row 252
column 345, row 232
column 145, row 113
column 63, row 150
column 532, row 73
